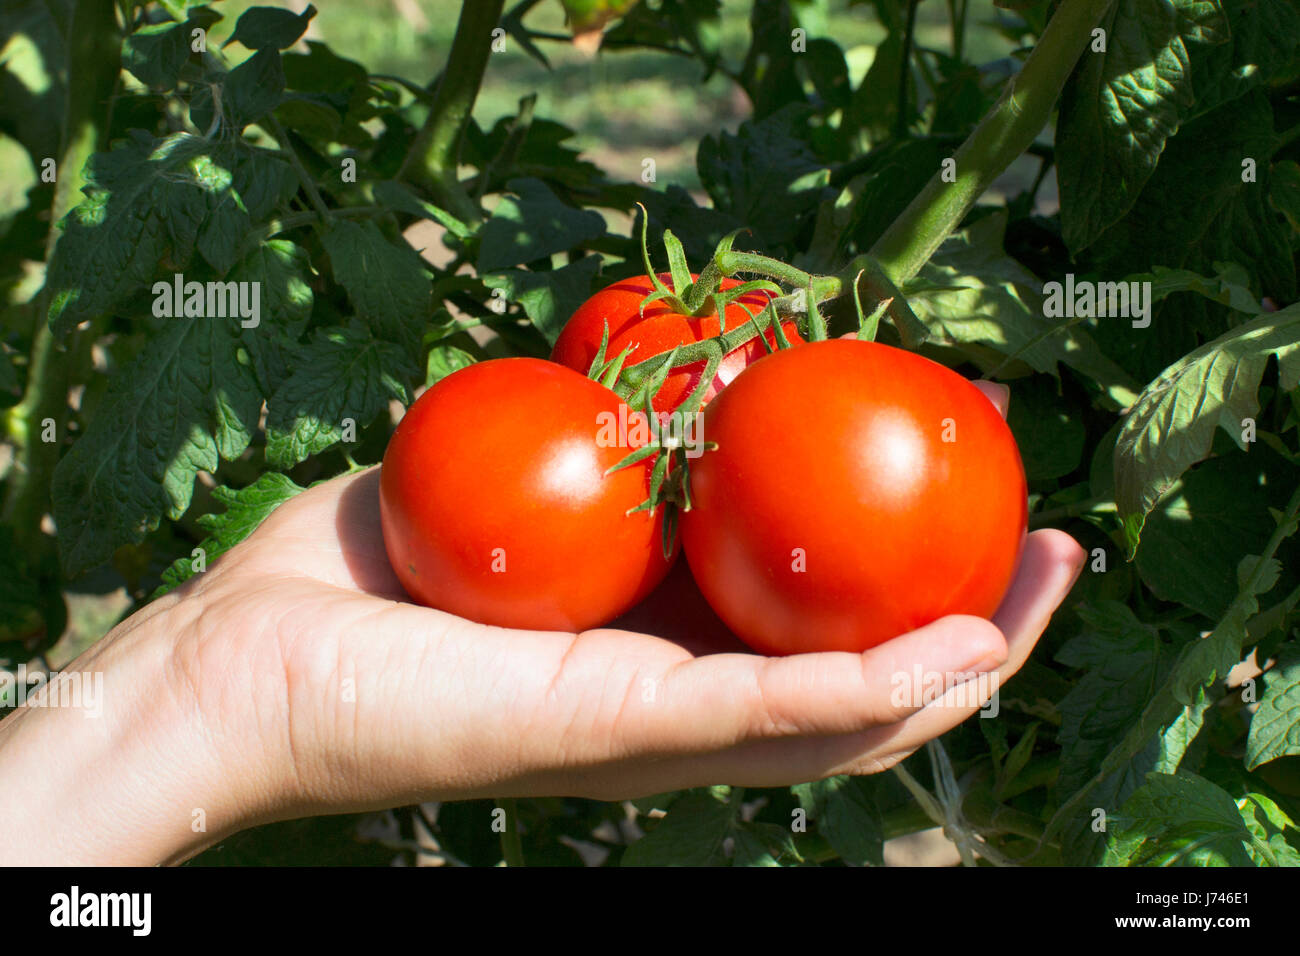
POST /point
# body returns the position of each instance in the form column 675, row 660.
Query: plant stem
column 92, row 68
column 434, row 155
column 1089, row 506
column 308, row 184
column 905, row 71
column 1006, row 131
column 512, row 848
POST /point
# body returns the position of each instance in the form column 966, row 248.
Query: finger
column 723, row 700
column 1048, row 569
column 995, row 392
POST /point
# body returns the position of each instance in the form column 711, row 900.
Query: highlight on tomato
column 856, row 492
column 496, row 504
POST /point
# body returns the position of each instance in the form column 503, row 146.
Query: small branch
column 905, row 71
column 1006, row 131
column 308, row 184
column 93, row 57
column 434, row 156
column 1089, row 506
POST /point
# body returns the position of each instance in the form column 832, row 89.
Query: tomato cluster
column 848, row 492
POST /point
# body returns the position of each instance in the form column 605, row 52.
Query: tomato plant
column 650, row 330
column 496, row 506
column 1126, row 264
column 856, row 492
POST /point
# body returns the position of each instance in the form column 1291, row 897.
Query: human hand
column 292, row 679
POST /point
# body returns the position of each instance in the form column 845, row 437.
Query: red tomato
column 659, row 331
column 496, row 507
column 857, row 492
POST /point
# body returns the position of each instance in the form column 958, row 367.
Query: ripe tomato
column 857, row 492
column 660, row 330
column 495, row 504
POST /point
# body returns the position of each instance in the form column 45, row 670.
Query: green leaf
column 847, row 816
column 254, row 88
column 1121, row 106
column 224, row 231
column 688, row 26
column 396, row 196
column 144, row 200
column 283, row 273
column 270, row 28
column 265, row 182
column 692, row 834
column 246, row 508
column 972, row 294
column 1017, row 758
column 1193, row 540
column 1049, row 435
column 766, row 176
column 548, row 298
column 1229, row 286
column 1275, row 727
column 1132, row 713
column 385, row 281
column 1269, row 825
column 1172, row 424
column 1284, row 191
column 1260, row 42
column 763, row 844
column 1125, row 660
column 533, row 224
column 443, row 360
column 186, row 402
column 1180, row 820
column 344, row 373
column 1172, row 710
column 1229, row 221
column 154, row 54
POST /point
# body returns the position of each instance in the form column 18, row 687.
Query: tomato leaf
column 385, row 280
column 971, row 294
column 548, row 298
column 692, row 834
column 246, row 508
column 848, row 816
column 1275, row 726
column 186, row 402
column 1269, row 825
column 1179, row 820
column 270, row 28
column 254, row 88
column 344, row 374
column 1172, row 424
column 155, row 53
column 1122, row 105
column 765, row 175
column 146, row 199
column 533, row 224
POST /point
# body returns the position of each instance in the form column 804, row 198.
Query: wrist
column 113, row 764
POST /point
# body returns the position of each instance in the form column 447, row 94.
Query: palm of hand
column 297, row 651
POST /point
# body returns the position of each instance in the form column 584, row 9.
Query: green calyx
column 694, row 297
